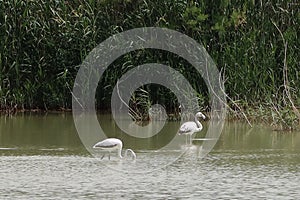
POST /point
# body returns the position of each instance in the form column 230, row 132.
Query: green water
column 41, row 157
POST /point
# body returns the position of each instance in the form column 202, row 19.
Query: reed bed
column 254, row 43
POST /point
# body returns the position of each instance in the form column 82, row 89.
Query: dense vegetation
column 254, row 43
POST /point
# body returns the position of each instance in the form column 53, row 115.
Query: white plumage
column 113, row 144
column 191, row 127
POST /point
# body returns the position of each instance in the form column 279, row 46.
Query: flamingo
column 112, row 144
column 189, row 128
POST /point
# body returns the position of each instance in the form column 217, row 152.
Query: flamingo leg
column 186, row 139
column 108, row 156
column 103, row 156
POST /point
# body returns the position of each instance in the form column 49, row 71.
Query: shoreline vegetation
column 260, row 115
column 255, row 45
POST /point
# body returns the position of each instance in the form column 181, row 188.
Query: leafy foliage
column 44, row 42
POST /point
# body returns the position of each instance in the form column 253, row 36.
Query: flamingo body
column 112, row 144
column 109, row 144
column 188, row 128
column 191, row 127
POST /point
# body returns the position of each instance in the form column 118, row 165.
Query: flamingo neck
column 132, row 153
column 126, row 152
column 120, row 152
column 199, row 125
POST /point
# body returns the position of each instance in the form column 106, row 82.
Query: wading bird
column 112, row 144
column 189, row 128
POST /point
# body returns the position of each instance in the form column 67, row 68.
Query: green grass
column 44, row 42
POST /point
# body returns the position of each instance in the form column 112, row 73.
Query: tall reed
column 44, row 42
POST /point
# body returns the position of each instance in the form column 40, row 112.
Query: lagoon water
column 42, row 157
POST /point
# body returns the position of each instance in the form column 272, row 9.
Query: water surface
column 41, row 157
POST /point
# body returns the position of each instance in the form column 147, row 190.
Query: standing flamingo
column 111, row 144
column 189, row 128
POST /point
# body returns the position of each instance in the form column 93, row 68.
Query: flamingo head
column 200, row 114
